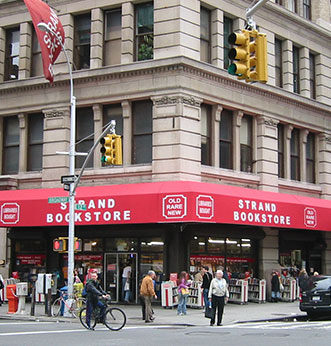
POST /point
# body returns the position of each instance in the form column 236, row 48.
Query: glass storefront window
column 121, row 244
column 198, row 245
column 233, row 246
column 93, row 245
column 151, row 262
column 216, row 245
column 29, row 245
column 151, row 245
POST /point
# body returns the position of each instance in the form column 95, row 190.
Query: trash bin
column 64, row 295
column 12, row 299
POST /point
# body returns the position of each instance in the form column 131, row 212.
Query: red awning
column 178, row 201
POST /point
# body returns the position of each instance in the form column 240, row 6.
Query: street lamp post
column 72, row 152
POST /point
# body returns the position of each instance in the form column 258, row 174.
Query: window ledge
column 299, row 186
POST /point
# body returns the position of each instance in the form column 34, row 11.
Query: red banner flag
column 49, row 42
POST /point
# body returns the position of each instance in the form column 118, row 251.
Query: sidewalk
column 233, row 313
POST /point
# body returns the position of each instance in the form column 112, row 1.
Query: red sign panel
column 174, row 206
column 205, row 207
column 176, row 201
column 10, row 213
column 31, row 259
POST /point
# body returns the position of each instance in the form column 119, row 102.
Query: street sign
column 80, row 207
column 68, row 179
column 58, row 199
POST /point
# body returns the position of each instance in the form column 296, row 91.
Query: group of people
column 215, row 293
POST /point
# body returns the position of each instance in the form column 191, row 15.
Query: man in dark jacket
column 275, row 287
column 206, row 280
column 94, row 292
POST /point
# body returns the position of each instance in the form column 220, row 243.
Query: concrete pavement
column 233, row 313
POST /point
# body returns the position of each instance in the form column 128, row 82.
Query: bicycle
column 77, row 304
column 114, row 318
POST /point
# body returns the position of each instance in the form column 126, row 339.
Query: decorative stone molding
column 271, row 122
column 170, row 100
column 54, row 113
column 22, row 120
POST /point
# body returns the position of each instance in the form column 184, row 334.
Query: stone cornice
column 178, row 66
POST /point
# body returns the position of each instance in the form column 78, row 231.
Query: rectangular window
column 226, row 141
column 312, row 76
column 307, row 9
column 144, row 31
column 295, row 154
column 82, row 41
column 246, row 144
column 310, row 158
column 11, row 145
column 280, row 132
column 35, row 141
column 205, row 46
column 296, row 69
column 84, row 134
column 227, row 30
column 205, row 134
column 36, row 59
column 12, row 53
column 293, row 6
column 142, row 131
column 113, row 37
column 278, row 63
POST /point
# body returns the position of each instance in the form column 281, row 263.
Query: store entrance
column 113, row 269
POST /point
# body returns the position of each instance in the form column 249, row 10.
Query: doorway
column 114, row 263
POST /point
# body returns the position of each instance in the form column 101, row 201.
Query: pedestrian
column 147, row 292
column 303, row 279
column 218, row 296
column 225, row 274
column 275, row 287
column 126, row 275
column 206, row 280
column 77, row 279
column 183, row 293
column 198, row 277
column 2, row 286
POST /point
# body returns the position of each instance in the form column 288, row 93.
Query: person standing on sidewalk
column 147, row 293
column 2, row 286
column 275, row 287
column 218, row 296
column 183, row 294
column 206, row 280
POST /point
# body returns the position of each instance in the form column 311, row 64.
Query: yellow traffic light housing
column 111, row 149
column 60, row 244
column 239, row 54
column 250, row 56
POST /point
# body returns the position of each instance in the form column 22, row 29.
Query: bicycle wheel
column 115, row 318
column 56, row 307
column 82, row 318
column 77, row 305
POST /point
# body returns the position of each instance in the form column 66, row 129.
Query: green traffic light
column 103, row 159
column 232, row 69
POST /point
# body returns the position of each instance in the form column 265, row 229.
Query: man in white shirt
column 126, row 283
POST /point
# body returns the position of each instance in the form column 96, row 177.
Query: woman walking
column 218, row 296
column 183, row 294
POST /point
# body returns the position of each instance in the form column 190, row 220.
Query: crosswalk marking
column 282, row 325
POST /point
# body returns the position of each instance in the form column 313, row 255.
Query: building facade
column 159, row 69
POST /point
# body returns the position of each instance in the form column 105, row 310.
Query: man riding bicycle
column 94, row 292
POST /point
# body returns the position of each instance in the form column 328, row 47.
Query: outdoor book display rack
column 257, row 290
column 169, row 294
column 238, row 290
column 289, row 294
column 195, row 298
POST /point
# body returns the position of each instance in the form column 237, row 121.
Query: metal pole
column 72, row 152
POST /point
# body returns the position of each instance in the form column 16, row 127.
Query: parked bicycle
column 113, row 318
column 60, row 304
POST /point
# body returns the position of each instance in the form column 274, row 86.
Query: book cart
column 195, row 298
column 238, row 290
column 257, row 290
column 169, row 294
column 289, row 293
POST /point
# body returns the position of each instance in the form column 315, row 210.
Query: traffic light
column 78, row 245
column 251, row 55
column 111, row 149
column 239, row 54
column 60, row 244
